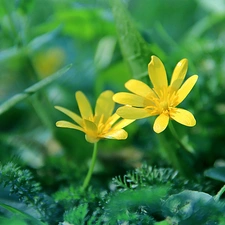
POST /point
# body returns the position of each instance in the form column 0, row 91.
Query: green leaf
column 22, row 215
column 204, row 25
column 192, row 207
column 9, row 53
column 136, row 51
column 77, row 215
column 37, row 42
column 12, row 221
column 125, row 200
column 104, row 52
column 217, row 173
column 33, row 89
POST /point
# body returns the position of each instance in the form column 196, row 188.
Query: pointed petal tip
column 183, row 61
column 157, row 73
column 57, row 107
column 184, row 117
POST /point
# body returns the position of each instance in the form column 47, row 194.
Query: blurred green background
column 39, row 37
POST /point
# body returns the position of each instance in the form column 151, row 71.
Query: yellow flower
column 99, row 125
column 162, row 99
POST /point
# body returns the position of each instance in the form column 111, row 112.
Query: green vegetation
column 51, row 49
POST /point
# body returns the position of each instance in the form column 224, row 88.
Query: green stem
column 170, row 151
column 90, row 171
column 218, row 195
column 175, row 135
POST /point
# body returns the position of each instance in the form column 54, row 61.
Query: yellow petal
column 66, row 124
column 112, row 119
column 122, row 123
column 186, row 88
column 179, row 74
column 132, row 113
column 90, row 128
column 161, row 123
column 105, row 105
column 84, row 105
column 157, row 73
column 129, row 99
column 71, row 114
column 139, row 88
column 116, row 134
column 184, row 117
column 91, row 139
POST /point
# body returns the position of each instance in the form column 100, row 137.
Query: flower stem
column 175, row 135
column 170, row 152
column 90, row 171
column 186, row 158
column 218, row 195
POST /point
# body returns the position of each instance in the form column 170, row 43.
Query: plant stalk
column 219, row 194
column 90, row 171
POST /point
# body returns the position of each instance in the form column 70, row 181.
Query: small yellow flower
column 99, row 125
column 162, row 99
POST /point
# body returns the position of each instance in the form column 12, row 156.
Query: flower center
column 163, row 105
column 102, row 127
column 164, row 100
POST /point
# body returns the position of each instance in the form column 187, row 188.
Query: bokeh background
column 37, row 38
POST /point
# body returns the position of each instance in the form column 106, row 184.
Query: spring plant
column 162, row 100
column 96, row 126
column 169, row 175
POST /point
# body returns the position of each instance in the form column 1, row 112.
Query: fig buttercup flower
column 98, row 125
column 161, row 100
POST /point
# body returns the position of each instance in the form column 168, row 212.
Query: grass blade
column 33, row 89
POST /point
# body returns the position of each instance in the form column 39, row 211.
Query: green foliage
column 74, row 196
column 21, row 183
column 12, row 221
column 136, row 204
column 147, row 176
column 192, row 207
column 77, row 215
column 134, row 48
column 216, row 173
column 84, row 34
column 17, row 215
column 31, row 90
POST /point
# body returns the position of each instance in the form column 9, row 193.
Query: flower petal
column 122, row 123
column 71, row 114
column 138, row 87
column 105, row 105
column 179, row 74
column 157, row 73
column 129, row 99
column 161, row 123
column 91, row 139
column 116, row 134
column 186, row 88
column 84, row 105
column 112, row 119
column 128, row 112
column 90, row 128
column 66, row 124
column 184, row 117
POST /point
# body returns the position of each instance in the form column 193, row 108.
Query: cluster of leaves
column 21, row 183
column 146, row 176
column 146, row 195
